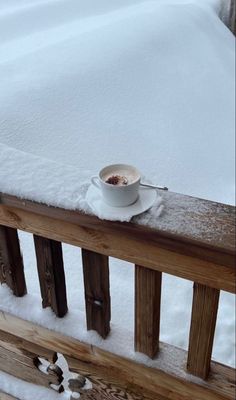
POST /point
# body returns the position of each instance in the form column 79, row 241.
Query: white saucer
column 95, row 201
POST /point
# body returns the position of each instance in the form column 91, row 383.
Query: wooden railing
column 195, row 240
column 232, row 16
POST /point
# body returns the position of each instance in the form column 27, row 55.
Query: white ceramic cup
column 118, row 195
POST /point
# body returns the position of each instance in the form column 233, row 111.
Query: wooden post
column 147, row 310
column 97, row 292
column 51, row 274
column 204, row 314
column 11, row 261
column 5, row 396
column 232, row 16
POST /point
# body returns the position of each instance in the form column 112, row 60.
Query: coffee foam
column 123, row 174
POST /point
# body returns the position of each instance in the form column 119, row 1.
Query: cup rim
column 116, row 166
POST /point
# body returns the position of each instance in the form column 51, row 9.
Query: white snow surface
column 56, row 184
column 85, row 84
column 28, row 391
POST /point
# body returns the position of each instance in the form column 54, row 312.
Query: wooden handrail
column 186, row 221
column 194, row 239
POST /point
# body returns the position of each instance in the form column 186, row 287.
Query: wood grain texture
column 47, row 354
column 188, row 225
column 232, row 16
column 24, row 365
column 169, row 379
column 147, row 310
column 5, row 396
column 102, row 390
column 51, row 274
column 134, row 244
column 97, row 292
column 11, row 261
column 202, row 330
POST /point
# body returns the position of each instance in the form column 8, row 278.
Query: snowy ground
column 149, row 84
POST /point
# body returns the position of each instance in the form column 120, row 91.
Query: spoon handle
column 153, row 186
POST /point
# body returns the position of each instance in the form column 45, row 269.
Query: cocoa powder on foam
column 118, row 178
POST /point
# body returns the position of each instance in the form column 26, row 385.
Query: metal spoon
column 153, row 186
column 125, row 182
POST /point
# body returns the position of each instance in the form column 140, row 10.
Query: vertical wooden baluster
column 97, row 292
column 232, row 16
column 51, row 274
column 11, row 261
column 147, row 310
column 204, row 314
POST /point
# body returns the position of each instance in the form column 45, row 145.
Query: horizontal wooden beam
column 186, row 226
column 47, row 354
column 103, row 390
column 172, row 381
column 25, row 365
column 5, row 396
column 135, row 246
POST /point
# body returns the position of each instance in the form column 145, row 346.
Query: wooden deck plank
column 97, row 292
column 202, row 330
column 147, row 310
column 24, row 365
column 51, row 274
column 139, row 245
column 102, row 390
column 11, row 261
column 5, row 396
column 169, row 379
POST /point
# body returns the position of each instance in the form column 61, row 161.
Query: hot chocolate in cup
column 119, row 184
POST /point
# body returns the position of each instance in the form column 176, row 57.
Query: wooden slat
column 5, row 396
column 42, row 352
column 204, row 314
column 11, row 261
column 232, row 16
column 147, row 310
column 24, row 365
column 138, row 245
column 186, row 226
column 168, row 379
column 51, row 274
column 97, row 292
column 102, row 390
